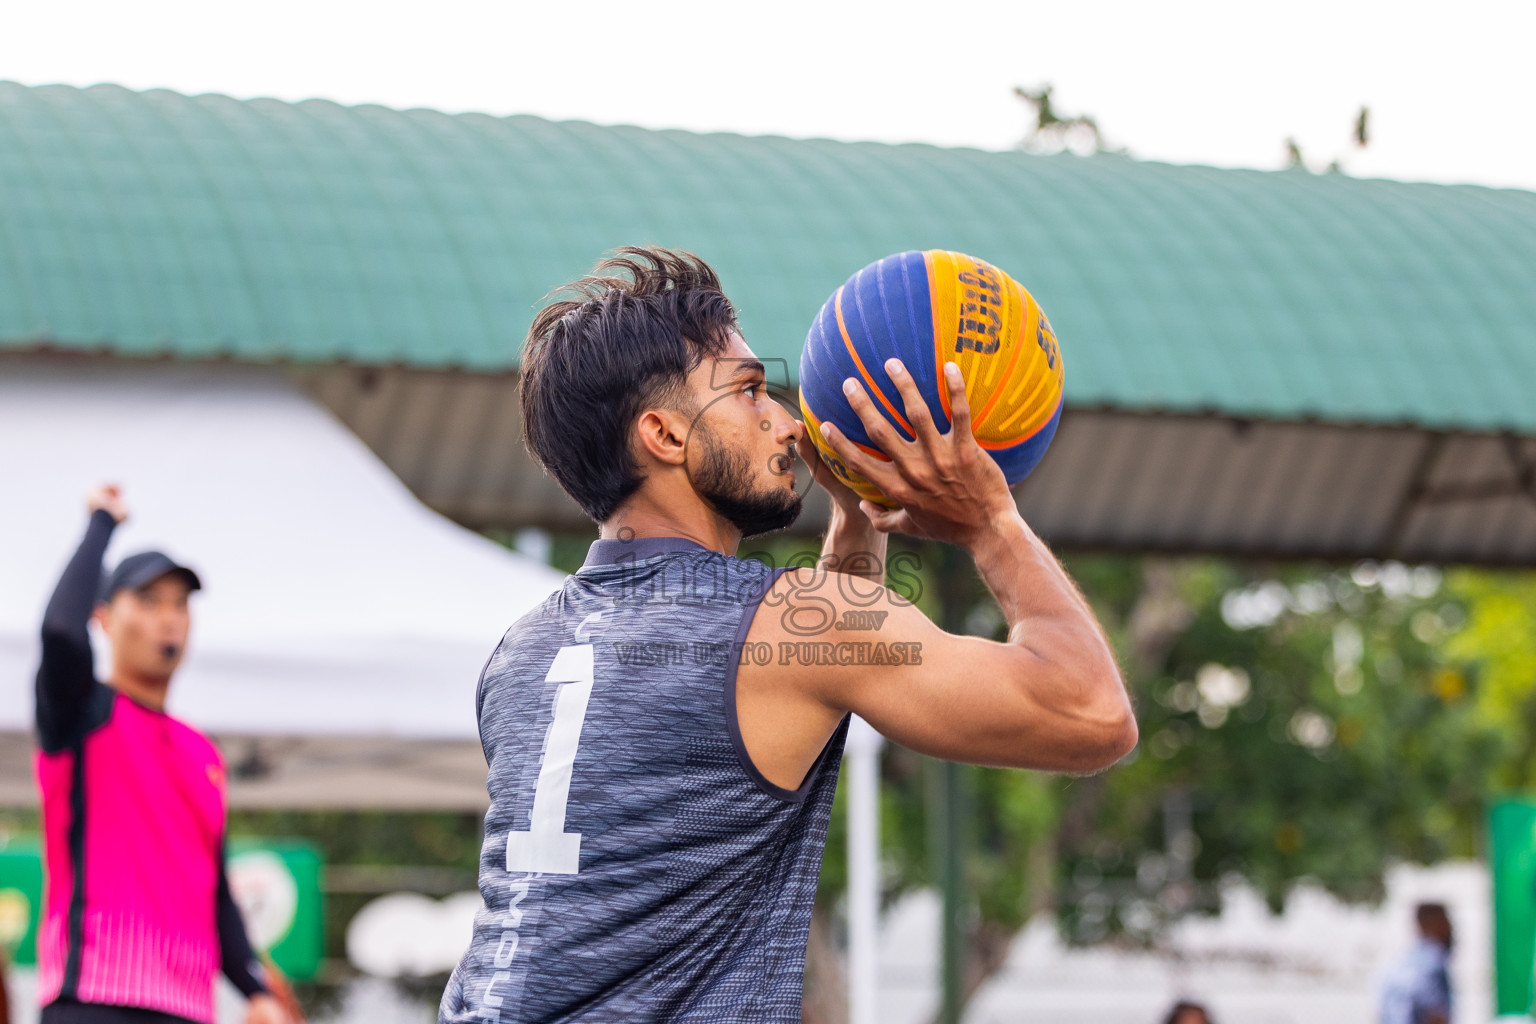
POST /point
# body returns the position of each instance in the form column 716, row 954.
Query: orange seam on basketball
column 1013, row 359
column 1030, row 408
column 938, row 335
column 989, row 374
column 876, row 452
column 1034, row 432
column 816, row 422
column 1028, row 404
column 842, row 329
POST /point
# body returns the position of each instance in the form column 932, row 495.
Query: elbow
column 1120, row 736
column 1108, row 733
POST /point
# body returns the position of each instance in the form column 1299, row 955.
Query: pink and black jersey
column 137, row 910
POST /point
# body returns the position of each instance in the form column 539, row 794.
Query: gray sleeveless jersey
column 636, row 866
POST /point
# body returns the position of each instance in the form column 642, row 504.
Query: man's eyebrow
column 749, row 368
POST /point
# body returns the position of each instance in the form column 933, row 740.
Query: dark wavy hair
column 621, row 339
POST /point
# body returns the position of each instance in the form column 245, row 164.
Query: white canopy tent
column 340, row 616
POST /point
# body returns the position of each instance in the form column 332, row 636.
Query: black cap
column 138, row 571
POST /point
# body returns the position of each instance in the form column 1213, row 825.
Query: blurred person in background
column 1186, row 1012
column 1418, row 990
column 137, row 914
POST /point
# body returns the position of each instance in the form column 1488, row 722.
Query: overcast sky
column 1451, row 86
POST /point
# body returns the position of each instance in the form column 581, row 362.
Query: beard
column 725, row 480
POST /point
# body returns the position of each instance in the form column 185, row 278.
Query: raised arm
column 1049, row 697
column 66, row 676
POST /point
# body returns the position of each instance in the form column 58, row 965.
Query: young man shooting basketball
column 138, row 918
column 659, row 801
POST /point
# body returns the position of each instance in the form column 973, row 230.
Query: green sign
column 21, row 898
column 276, row 882
column 1512, row 833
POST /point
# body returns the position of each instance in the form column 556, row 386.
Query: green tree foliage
column 1297, row 722
column 1315, row 722
column 1498, row 641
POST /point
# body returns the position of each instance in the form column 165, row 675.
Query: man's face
column 148, row 627
column 741, row 450
column 1438, row 929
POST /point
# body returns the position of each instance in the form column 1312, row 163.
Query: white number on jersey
column 547, row 848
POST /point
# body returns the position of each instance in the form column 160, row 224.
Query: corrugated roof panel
column 155, row 223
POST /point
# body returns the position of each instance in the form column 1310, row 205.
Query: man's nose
column 785, row 429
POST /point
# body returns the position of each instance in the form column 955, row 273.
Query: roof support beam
column 1113, row 479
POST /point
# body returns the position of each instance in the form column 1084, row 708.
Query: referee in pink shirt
column 137, row 915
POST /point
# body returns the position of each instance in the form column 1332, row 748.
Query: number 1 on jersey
column 547, row 848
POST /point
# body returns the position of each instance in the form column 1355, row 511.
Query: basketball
column 928, row 308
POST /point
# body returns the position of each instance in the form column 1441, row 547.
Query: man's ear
column 102, row 616
column 662, row 435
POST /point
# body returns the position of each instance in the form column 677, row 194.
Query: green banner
column 1512, row 834
column 21, row 898
column 277, row 884
column 275, row 881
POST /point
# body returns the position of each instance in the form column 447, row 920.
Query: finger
column 876, row 426
column 918, row 414
column 805, row 446
column 886, row 520
column 880, row 472
column 959, row 405
column 812, row 458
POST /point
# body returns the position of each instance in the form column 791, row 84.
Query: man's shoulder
column 819, row 599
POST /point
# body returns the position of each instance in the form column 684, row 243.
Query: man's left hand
column 843, row 496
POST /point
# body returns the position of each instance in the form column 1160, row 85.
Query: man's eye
column 752, row 390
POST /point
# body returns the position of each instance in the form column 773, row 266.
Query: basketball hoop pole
column 954, row 580
column 861, row 761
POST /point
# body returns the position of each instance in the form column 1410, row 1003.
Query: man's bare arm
column 1050, row 697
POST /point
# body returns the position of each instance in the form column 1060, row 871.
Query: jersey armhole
column 733, row 663
column 480, row 695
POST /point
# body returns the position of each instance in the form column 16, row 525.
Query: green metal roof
column 159, row 224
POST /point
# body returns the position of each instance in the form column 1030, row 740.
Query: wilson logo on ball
column 926, row 309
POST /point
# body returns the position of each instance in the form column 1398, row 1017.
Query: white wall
column 1318, row 963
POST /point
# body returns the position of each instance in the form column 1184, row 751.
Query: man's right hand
column 948, row 488
column 109, row 499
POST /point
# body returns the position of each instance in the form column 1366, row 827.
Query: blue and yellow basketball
column 927, row 309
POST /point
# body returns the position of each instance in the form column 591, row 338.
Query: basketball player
column 664, row 733
column 137, row 918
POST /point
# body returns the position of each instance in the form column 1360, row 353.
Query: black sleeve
column 66, row 678
column 238, row 960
